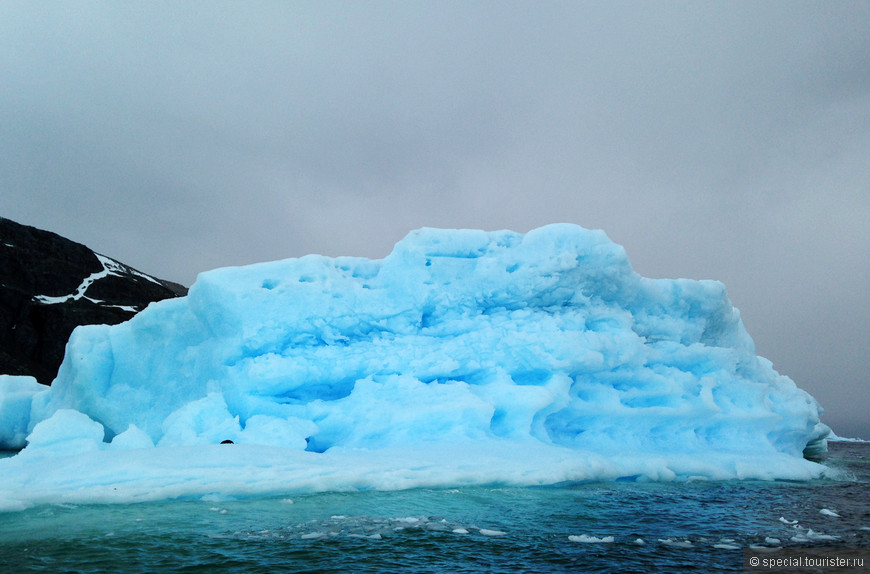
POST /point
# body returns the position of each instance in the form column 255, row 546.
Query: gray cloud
column 713, row 140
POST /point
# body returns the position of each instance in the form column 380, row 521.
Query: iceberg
column 463, row 357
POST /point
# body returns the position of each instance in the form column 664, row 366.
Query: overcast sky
column 726, row 140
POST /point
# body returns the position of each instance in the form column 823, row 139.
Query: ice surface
column 463, row 357
column 16, row 394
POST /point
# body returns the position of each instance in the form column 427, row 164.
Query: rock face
column 49, row 285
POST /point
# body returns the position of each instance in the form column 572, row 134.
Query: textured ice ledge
column 530, row 344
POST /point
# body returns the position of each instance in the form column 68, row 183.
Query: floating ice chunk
column 726, row 546
column 491, row 532
column 772, row 541
column 408, row 520
column 828, row 512
column 811, row 536
column 313, row 535
column 786, row 521
column 460, row 531
column 676, row 543
column 639, row 541
column 591, row 539
column 819, row 536
column 375, row 536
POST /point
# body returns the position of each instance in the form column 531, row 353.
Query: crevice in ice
column 312, row 445
column 534, row 377
column 426, row 318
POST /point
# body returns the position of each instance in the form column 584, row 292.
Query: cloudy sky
column 726, row 140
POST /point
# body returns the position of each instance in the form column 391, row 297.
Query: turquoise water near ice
column 481, row 529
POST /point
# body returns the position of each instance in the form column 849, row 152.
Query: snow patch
column 110, row 267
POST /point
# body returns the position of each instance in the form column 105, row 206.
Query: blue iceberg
column 463, row 357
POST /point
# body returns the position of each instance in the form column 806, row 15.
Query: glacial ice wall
column 458, row 341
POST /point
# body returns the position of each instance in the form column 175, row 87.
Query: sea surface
column 591, row 527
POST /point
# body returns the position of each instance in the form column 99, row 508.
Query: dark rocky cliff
column 49, row 285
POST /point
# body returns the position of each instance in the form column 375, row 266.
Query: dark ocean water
column 655, row 527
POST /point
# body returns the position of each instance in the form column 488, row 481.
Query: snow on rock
column 544, row 355
column 49, row 285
